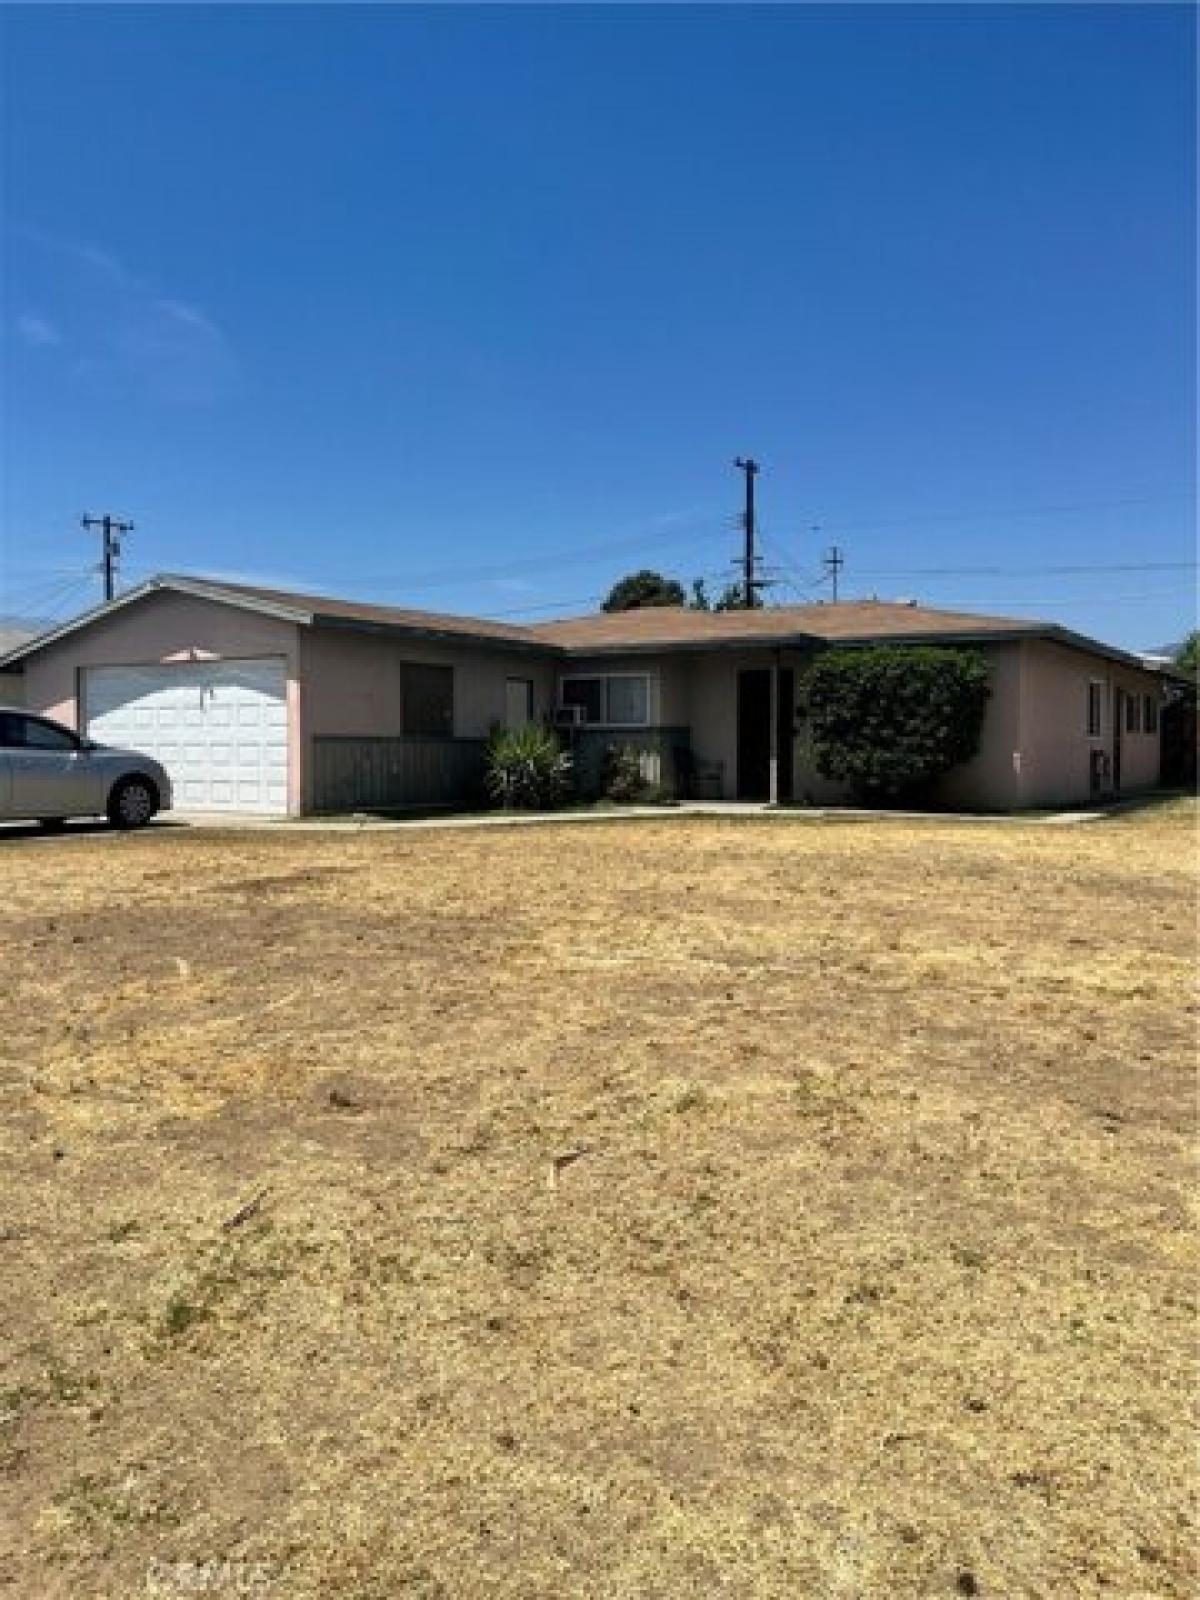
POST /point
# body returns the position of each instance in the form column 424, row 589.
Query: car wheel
column 132, row 803
column 52, row 824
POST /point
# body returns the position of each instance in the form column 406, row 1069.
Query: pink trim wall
column 352, row 684
column 1055, row 744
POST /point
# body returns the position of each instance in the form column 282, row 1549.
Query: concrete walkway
column 740, row 810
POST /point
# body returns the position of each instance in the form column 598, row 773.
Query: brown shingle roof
column 649, row 629
column 664, row 626
column 320, row 606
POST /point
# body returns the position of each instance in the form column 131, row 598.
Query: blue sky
column 471, row 308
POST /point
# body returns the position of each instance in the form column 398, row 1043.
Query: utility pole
column 834, row 562
column 112, row 530
column 749, row 467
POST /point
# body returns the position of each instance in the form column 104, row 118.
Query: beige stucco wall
column 1055, row 744
column 12, row 689
column 991, row 780
column 712, row 699
column 162, row 627
column 1034, row 749
column 697, row 690
column 352, row 684
column 988, row 782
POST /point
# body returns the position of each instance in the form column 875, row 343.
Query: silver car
column 49, row 773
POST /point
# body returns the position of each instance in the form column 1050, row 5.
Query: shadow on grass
column 76, row 827
column 1147, row 807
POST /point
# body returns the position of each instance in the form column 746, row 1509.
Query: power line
column 1075, row 599
column 1023, row 571
column 689, row 532
column 1069, row 508
column 31, row 599
column 48, row 601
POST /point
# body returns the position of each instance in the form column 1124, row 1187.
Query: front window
column 628, row 701
column 1151, row 719
column 587, row 694
column 427, row 700
column 620, row 700
column 1095, row 708
column 1133, row 713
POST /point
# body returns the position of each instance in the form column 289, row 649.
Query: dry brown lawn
column 874, row 1274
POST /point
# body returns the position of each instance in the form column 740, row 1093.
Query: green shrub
column 890, row 719
column 526, row 769
column 621, row 774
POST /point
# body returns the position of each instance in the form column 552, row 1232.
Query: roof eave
column 168, row 582
column 40, row 641
column 433, row 633
column 643, row 647
column 197, row 587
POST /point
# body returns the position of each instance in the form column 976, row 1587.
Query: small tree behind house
column 644, row 588
column 890, row 719
column 1187, row 657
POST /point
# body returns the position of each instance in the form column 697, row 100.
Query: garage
column 220, row 728
column 272, row 703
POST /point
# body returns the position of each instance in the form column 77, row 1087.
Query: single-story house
column 257, row 699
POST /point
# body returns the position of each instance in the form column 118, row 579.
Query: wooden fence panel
column 396, row 774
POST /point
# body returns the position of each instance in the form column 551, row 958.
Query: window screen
column 427, row 699
column 628, row 701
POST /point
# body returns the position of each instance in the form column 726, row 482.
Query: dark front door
column 754, row 734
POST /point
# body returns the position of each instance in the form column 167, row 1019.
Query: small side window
column 1095, row 708
column 1133, row 713
column 518, row 702
column 1151, row 717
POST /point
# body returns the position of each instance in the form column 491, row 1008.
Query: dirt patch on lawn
column 672, row 1208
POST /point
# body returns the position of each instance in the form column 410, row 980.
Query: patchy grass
column 681, row 1208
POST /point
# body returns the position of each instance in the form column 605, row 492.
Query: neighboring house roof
column 651, row 628
column 1168, row 669
column 13, row 634
column 10, row 638
column 848, row 622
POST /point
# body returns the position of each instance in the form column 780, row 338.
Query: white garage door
column 218, row 727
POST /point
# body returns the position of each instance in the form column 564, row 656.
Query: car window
column 37, row 735
column 11, row 732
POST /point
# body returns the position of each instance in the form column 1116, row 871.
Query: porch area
column 709, row 725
